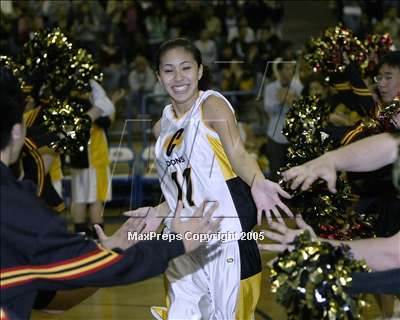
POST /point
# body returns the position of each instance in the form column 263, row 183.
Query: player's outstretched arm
column 266, row 194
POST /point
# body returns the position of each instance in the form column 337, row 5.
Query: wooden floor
column 134, row 301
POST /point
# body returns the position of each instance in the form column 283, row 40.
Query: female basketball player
column 199, row 155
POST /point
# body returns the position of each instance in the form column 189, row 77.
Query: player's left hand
column 266, row 195
column 120, row 238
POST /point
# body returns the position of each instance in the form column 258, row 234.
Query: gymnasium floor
column 134, row 301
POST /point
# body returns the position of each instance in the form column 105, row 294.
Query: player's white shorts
column 214, row 284
column 205, row 284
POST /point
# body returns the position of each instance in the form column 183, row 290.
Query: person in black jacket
column 37, row 251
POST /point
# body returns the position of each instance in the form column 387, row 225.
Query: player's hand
column 266, row 195
column 120, row 238
column 200, row 223
column 284, row 235
column 305, row 175
column 152, row 217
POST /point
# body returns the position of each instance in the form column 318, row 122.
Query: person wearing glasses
column 376, row 191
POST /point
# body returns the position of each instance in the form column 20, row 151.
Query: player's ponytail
column 206, row 79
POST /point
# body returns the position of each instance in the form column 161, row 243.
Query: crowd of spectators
column 123, row 36
column 236, row 38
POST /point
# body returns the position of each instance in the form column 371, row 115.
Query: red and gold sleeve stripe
column 65, row 270
column 39, row 163
column 349, row 137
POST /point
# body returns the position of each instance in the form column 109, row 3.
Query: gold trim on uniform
column 223, row 160
column 249, row 293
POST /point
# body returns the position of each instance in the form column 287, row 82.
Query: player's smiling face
column 179, row 73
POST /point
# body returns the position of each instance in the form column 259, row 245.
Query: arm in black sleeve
column 352, row 90
column 382, row 282
column 363, row 100
column 69, row 261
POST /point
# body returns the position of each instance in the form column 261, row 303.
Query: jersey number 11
column 179, row 185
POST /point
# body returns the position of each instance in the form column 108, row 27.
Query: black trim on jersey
column 244, row 203
column 250, row 260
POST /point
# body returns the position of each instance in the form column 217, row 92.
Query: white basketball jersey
column 192, row 166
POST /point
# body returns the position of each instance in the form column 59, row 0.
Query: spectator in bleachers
column 192, row 19
column 208, row 49
column 242, row 41
column 163, row 99
column 236, row 76
column 391, row 21
column 230, row 23
column 61, row 15
column 315, row 86
column 213, row 24
column 38, row 24
column 254, row 60
column 156, row 28
column 133, row 28
column 87, row 24
column 268, row 41
column 23, row 31
column 276, row 11
column 243, row 31
column 255, row 12
column 232, row 75
column 141, row 80
column 279, row 96
column 111, row 60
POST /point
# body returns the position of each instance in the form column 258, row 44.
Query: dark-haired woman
column 199, row 155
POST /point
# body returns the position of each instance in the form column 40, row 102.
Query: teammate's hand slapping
column 153, row 217
column 283, row 235
column 201, row 222
column 120, row 238
column 305, row 175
